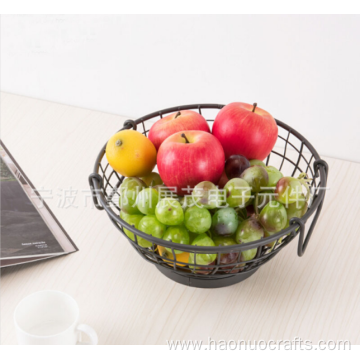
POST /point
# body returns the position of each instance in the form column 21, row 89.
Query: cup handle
column 90, row 332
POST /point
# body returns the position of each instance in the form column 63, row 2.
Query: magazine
column 29, row 230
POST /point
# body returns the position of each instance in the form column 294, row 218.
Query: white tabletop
column 127, row 300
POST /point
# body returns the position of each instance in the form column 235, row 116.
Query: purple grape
column 235, row 165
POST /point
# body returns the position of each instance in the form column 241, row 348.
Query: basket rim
column 291, row 230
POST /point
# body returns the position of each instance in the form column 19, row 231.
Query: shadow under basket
column 292, row 154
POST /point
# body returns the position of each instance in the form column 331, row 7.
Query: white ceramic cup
column 50, row 318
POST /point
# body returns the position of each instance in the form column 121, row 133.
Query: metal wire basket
column 292, row 151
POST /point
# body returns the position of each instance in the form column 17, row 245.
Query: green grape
column 192, row 236
column 268, row 233
column 256, row 176
column 129, row 190
column 151, row 226
column 152, row 179
column 201, row 237
column 230, row 257
column 257, row 162
column 169, row 212
column 132, row 183
column 288, row 190
column 264, row 197
column 207, row 195
column 238, row 192
column 202, row 259
column 186, row 202
column 273, row 217
column 229, row 240
column 248, row 255
column 147, row 201
column 197, row 220
column 274, row 175
column 297, row 209
column 164, row 192
column 177, row 234
column 248, row 231
column 132, row 220
column 225, row 222
column 272, row 244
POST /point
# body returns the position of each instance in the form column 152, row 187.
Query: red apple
column 245, row 129
column 173, row 123
column 188, row 158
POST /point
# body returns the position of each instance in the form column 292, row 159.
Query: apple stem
column 184, row 136
column 178, row 114
column 255, row 105
column 118, row 143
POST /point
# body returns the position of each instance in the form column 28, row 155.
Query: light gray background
column 305, row 70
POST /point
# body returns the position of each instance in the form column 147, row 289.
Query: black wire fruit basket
column 291, row 151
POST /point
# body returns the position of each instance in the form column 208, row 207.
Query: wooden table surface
column 127, row 300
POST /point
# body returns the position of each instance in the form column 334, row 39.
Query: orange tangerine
column 130, row 153
column 183, row 257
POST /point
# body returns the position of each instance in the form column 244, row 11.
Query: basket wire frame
column 105, row 182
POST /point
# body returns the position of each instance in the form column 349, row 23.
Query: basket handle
column 94, row 177
column 303, row 244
